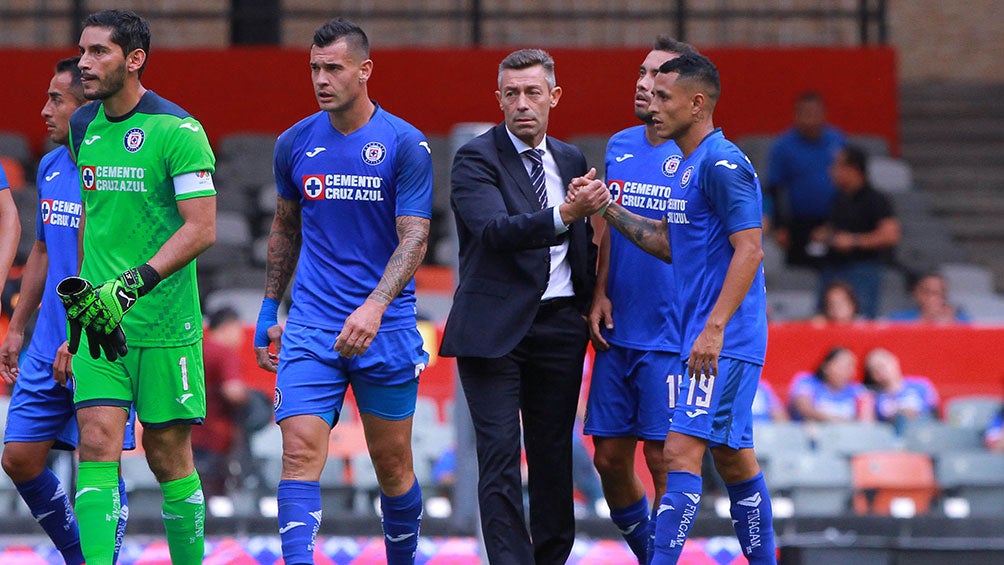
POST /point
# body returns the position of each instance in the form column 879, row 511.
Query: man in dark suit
column 517, row 327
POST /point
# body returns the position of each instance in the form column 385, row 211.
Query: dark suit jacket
column 504, row 241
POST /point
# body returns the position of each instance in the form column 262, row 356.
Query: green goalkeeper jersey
column 127, row 169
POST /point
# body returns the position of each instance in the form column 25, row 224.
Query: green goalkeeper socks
column 184, row 513
column 97, row 508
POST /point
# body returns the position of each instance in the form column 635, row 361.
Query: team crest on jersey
column 87, row 177
column 134, row 140
column 685, row 179
column 670, row 165
column 313, row 187
column 374, row 152
column 277, row 400
column 616, row 188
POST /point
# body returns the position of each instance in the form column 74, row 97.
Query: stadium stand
column 972, row 411
column 977, row 478
column 818, row 483
column 881, row 479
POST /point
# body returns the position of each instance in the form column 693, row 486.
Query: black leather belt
column 552, row 304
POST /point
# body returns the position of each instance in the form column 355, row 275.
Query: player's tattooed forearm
column 652, row 236
column 283, row 248
column 413, row 236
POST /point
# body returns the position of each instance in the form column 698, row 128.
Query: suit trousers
column 540, row 380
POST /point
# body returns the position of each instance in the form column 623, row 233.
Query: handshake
column 98, row 311
column 588, row 196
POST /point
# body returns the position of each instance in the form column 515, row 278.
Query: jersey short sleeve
column 414, row 175
column 282, row 165
column 189, row 151
column 4, row 184
column 732, row 189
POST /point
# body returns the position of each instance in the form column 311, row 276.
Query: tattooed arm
column 284, row 241
column 361, row 326
column 652, row 236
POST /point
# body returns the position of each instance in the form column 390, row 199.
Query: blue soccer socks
column 752, row 519
column 675, row 515
column 402, row 517
column 51, row 508
column 632, row 521
column 299, row 519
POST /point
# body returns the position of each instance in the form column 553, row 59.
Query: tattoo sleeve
column 413, row 240
column 284, row 241
column 652, row 236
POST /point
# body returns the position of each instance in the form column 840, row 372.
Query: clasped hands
column 98, row 311
column 587, row 196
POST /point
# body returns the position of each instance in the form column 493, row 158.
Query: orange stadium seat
column 879, row 477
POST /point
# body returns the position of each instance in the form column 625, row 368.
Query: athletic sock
column 402, row 517
column 299, row 519
column 752, row 519
column 184, row 513
column 98, row 509
column 632, row 521
column 650, row 546
column 51, row 508
column 676, row 515
column 120, row 528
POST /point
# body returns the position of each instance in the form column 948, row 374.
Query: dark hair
column 694, row 66
column 830, row 355
column 221, row 316
column 856, row 158
column 338, row 28
column 129, row 31
column 844, row 286
column 669, row 44
column 526, row 58
column 914, row 279
column 809, row 96
column 69, row 65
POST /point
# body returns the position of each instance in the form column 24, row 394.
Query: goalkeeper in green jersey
column 150, row 208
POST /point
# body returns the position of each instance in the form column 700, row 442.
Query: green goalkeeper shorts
column 166, row 384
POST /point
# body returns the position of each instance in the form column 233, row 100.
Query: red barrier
column 268, row 89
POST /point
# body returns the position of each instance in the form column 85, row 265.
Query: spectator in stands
column 839, row 304
column 861, row 232
column 226, row 394
column 993, row 435
column 898, row 398
column 766, row 404
column 930, row 293
column 799, row 188
column 830, row 393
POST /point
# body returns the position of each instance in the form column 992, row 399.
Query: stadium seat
column 937, row 438
column 779, row 439
column 8, row 494
column 849, row 438
column 267, row 442
column 967, row 278
column 145, row 498
column 819, row 484
column 872, row 145
column 888, row 174
column 791, row 304
column 251, row 157
column 976, row 477
column 880, row 477
column 974, row 411
column 16, row 146
column 347, row 440
column 247, row 302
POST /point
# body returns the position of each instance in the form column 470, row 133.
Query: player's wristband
column 268, row 316
column 142, row 279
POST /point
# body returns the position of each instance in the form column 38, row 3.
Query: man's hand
column 586, row 196
column 62, row 366
column 704, row 354
column 10, row 349
column 119, row 295
column 267, row 359
column 360, row 328
column 84, row 312
column 602, row 312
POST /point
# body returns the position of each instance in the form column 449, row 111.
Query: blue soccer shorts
column 42, row 410
column 313, row 378
column 629, row 393
column 718, row 408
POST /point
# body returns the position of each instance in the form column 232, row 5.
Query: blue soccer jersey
column 56, row 225
column 715, row 194
column 4, row 184
column 640, row 286
column 351, row 189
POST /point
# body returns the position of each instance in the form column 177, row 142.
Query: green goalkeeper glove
column 78, row 297
column 117, row 296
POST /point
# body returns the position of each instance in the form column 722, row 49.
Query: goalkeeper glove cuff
column 142, row 279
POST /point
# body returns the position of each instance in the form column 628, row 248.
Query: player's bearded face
column 100, row 87
column 338, row 78
column 670, row 107
column 646, row 82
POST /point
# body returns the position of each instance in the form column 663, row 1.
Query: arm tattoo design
column 283, row 248
column 652, row 236
column 413, row 238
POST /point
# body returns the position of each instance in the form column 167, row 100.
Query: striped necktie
column 537, row 174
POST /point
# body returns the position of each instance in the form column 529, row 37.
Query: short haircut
column 856, row 158
column 222, row 316
column 338, row 28
column 809, row 96
column 526, row 58
column 69, row 65
column 667, row 43
column 129, row 31
column 696, row 67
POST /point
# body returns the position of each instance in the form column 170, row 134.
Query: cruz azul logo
column 313, row 187
column 134, row 140
column 87, row 177
column 364, row 188
column 374, row 153
column 59, row 212
column 670, row 165
column 616, row 188
column 685, row 179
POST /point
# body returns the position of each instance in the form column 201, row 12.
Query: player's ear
column 135, row 60
column 365, row 70
column 555, row 95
